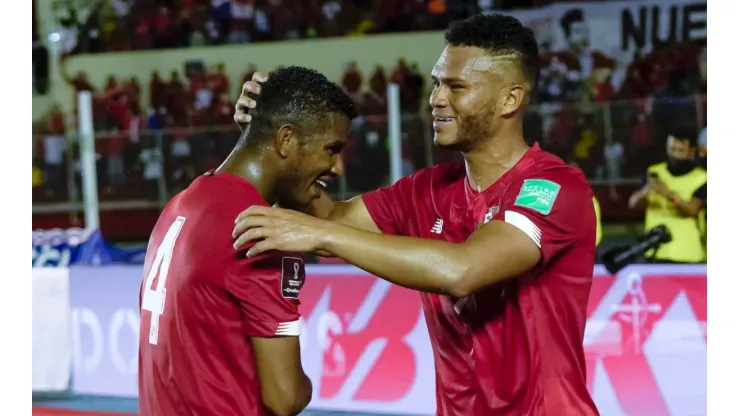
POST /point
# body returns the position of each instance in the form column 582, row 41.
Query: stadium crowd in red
column 184, row 125
column 122, row 25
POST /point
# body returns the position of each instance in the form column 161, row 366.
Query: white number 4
column 153, row 300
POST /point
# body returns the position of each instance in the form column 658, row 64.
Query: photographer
column 675, row 195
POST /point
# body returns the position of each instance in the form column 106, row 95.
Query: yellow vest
column 703, row 229
column 597, row 208
column 686, row 245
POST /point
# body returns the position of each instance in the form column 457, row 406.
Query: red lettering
column 618, row 347
column 395, row 318
column 393, row 372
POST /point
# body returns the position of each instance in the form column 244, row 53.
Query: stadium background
column 606, row 107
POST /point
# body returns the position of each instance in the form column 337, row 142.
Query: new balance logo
column 437, row 228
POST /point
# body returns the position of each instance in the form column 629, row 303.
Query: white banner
column 617, row 28
column 365, row 345
column 51, row 329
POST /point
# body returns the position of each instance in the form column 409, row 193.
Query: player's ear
column 513, row 100
column 286, row 140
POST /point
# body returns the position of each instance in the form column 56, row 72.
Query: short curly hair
column 299, row 96
column 499, row 35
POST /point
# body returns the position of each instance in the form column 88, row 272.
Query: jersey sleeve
column 388, row 206
column 266, row 288
column 555, row 209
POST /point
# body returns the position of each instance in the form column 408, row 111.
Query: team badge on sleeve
column 538, row 195
column 294, row 274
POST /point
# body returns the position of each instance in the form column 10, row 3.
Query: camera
column 619, row 257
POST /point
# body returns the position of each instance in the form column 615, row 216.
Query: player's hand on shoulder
column 271, row 228
column 245, row 103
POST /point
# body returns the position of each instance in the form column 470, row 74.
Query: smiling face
column 482, row 79
column 473, row 91
column 298, row 129
column 312, row 163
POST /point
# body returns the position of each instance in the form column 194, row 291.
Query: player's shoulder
column 549, row 167
column 547, row 179
column 209, row 207
column 207, row 210
column 549, row 187
column 222, row 191
column 226, row 183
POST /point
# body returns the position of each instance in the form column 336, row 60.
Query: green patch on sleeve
column 538, row 195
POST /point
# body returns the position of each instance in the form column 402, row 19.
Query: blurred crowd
column 185, row 125
column 609, row 118
column 122, row 25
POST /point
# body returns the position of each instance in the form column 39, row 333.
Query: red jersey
column 514, row 348
column 200, row 301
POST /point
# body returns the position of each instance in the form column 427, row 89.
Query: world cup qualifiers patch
column 294, row 275
column 538, row 195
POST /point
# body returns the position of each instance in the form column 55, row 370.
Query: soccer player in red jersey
column 219, row 331
column 502, row 245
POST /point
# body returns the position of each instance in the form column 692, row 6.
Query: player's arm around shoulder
column 351, row 212
column 383, row 210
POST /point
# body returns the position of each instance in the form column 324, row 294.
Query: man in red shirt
column 219, row 331
column 503, row 246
